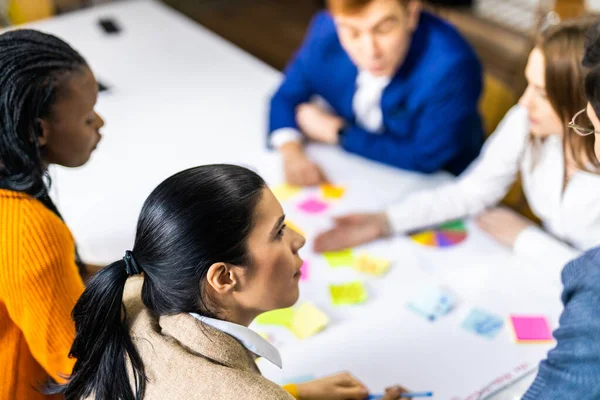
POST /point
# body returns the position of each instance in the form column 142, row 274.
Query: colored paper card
column 313, row 206
column 304, row 271
column 483, row 323
column 285, row 192
column 343, row 258
column 531, row 329
column 372, row 265
column 308, row 320
column 294, row 227
column 433, row 303
column 348, row 293
column 281, row 317
column 332, row 192
column 453, row 226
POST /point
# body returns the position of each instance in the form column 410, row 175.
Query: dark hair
column 591, row 60
column 33, row 68
column 190, row 221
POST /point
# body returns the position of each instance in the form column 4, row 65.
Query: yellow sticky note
column 332, row 191
column 344, row 258
column 294, row 227
column 348, row 293
column 282, row 317
column 285, row 192
column 372, row 265
column 308, row 320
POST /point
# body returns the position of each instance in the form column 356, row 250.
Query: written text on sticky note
column 348, row 293
column 531, row 329
column 284, row 192
column 343, row 258
column 281, row 317
column 308, row 320
column 483, row 323
column 313, row 205
column 332, row 192
column 371, row 265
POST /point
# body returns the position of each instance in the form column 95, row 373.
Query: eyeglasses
column 581, row 130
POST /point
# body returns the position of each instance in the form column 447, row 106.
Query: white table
column 180, row 97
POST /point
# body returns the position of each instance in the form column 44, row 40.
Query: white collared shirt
column 366, row 105
column 246, row 336
column 571, row 217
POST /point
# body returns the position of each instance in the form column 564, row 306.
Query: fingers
column 335, row 239
column 394, row 393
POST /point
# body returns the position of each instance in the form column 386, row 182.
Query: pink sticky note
column 313, row 206
column 531, row 328
column 304, row 271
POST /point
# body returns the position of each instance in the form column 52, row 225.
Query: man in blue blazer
column 400, row 86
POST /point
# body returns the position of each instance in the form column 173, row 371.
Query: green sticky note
column 344, row 258
column 348, row 293
column 283, row 317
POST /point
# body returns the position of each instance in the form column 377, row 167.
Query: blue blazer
column 430, row 113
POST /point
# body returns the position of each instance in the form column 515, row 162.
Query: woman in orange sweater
column 47, row 98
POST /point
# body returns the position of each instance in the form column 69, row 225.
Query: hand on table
column 503, row 224
column 299, row 169
column 317, row 124
column 341, row 386
column 352, row 230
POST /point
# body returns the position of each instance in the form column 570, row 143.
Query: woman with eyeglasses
column 572, row 369
column 559, row 171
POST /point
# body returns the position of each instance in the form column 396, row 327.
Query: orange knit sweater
column 39, row 285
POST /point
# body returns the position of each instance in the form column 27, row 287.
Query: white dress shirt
column 571, row 218
column 366, row 105
column 246, row 336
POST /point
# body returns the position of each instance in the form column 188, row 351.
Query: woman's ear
column 222, row 278
column 45, row 132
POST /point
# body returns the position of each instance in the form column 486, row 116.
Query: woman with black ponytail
column 47, row 98
column 214, row 251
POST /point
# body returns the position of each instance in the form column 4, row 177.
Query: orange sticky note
column 285, row 192
column 372, row 265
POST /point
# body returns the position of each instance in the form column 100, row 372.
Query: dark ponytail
column 190, row 221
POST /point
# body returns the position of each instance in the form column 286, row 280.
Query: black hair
column 192, row 220
column 33, row 67
column 591, row 60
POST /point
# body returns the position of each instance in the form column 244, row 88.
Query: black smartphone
column 109, row 26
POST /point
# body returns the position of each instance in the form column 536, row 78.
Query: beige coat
column 186, row 359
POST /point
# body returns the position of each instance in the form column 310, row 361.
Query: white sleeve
column 543, row 249
column 482, row 185
column 282, row 136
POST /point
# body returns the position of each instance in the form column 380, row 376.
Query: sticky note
column 294, row 227
column 348, row 293
column 304, row 271
column 433, row 303
column 285, row 192
column 371, row 265
column 531, row 329
column 308, row 320
column 313, row 206
column 343, row 258
column 281, row 317
column 483, row 323
column 332, row 192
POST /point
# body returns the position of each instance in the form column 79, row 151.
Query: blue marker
column 412, row 395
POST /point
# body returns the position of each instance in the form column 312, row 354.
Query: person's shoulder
column 583, row 272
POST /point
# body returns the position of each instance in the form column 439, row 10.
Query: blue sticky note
column 433, row 303
column 483, row 323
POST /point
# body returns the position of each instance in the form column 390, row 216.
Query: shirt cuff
column 282, row 136
column 292, row 389
column 545, row 250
